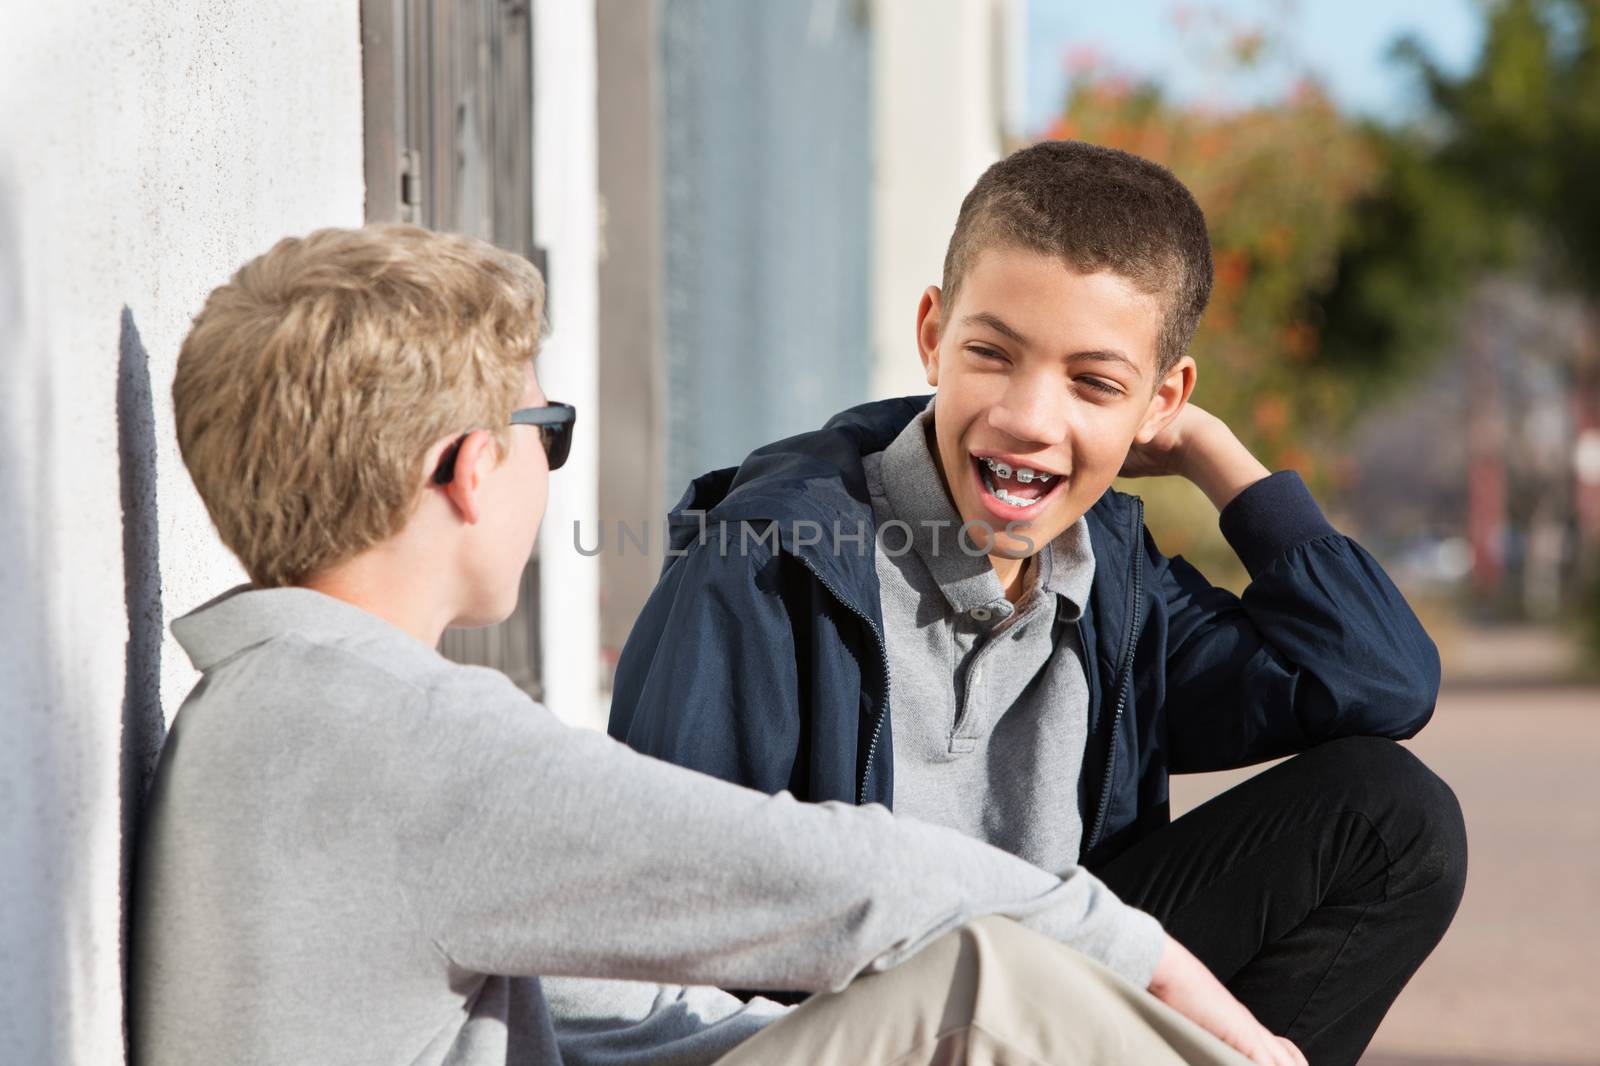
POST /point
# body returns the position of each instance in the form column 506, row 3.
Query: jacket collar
column 809, row 485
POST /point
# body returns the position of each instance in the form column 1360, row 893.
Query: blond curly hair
column 312, row 384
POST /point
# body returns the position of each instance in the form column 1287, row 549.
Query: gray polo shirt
column 991, row 705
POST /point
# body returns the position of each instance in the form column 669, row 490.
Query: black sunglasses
column 555, row 433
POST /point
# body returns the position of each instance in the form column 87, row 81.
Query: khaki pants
column 990, row 994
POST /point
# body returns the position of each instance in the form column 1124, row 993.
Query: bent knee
column 1416, row 811
column 1377, row 772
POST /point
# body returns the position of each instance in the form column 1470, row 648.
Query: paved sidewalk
column 1517, row 978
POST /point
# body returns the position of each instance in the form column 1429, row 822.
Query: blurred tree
column 1515, row 142
column 1501, row 175
column 1521, row 131
column 1345, row 251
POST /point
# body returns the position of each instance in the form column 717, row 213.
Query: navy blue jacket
column 760, row 657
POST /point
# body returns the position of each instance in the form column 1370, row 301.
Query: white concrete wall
column 146, row 150
column 567, row 223
column 944, row 88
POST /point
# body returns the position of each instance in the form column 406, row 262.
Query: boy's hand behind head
column 1164, row 454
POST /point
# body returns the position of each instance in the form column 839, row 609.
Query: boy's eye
column 984, row 353
column 1100, row 386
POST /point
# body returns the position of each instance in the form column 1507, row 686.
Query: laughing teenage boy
column 356, row 851
column 942, row 607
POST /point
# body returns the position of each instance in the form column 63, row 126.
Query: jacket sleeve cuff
column 1270, row 517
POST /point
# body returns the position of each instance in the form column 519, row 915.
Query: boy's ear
column 475, row 458
column 929, row 319
column 1170, row 396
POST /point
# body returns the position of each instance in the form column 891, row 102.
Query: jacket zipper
column 1125, row 673
column 883, row 658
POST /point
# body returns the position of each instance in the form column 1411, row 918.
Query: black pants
column 1313, row 890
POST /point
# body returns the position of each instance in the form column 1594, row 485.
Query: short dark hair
column 1098, row 209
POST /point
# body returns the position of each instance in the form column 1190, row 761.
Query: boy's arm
column 708, row 678
column 1321, row 644
column 533, row 848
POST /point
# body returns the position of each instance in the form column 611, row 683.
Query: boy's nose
column 1031, row 414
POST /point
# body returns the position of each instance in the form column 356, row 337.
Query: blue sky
column 1342, row 43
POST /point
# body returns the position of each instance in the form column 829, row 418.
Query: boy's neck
column 408, row 604
column 1013, row 574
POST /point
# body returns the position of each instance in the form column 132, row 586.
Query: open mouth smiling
column 1011, row 490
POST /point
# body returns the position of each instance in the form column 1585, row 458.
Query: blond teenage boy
column 358, row 851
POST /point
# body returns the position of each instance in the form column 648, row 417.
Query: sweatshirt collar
column 246, row 616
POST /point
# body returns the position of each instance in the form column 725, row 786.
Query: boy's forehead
column 1040, row 299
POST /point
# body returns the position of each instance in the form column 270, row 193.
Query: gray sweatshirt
column 356, row 850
